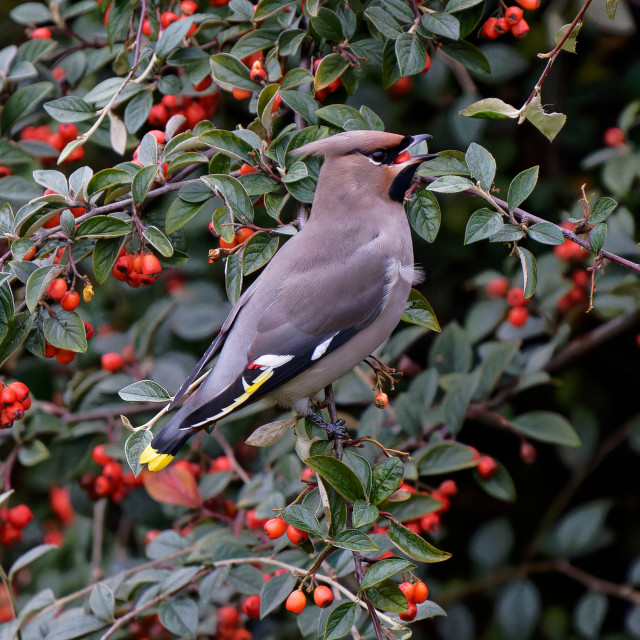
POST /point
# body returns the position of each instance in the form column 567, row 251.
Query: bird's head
column 375, row 160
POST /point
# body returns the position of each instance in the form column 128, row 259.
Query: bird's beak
column 405, row 157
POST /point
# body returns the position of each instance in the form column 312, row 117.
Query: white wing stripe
column 319, row 351
column 270, row 360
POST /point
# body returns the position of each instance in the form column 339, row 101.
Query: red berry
column 257, row 72
column 4, row 171
column 194, row 113
column 251, row 607
column 228, row 616
column 225, row 246
column 296, row 601
column 400, row 88
column 515, row 297
column 59, row 73
column 20, row 389
column 448, row 488
column 613, row 137
column 70, row 301
column 88, row 329
column 381, row 400
column 489, row 29
column 430, row 523
column 297, row 536
column 112, row 362
column 420, row 592
column 204, row 84
column 407, row 588
column 7, row 396
column 167, row 18
column 520, row 28
column 41, row 33
column 241, row 94
column 501, row 26
column 57, row 289
column 410, row 613
column 513, row 15
column 275, row 528
column 146, row 27
column 188, row 7
column 160, row 137
column 158, row 115
column 20, row 516
column 528, row 453
column 101, row 486
column 68, row 131
column 15, row 411
column 497, row 288
column 61, row 505
column 99, row 455
column 252, row 521
column 65, row 356
column 243, row 234
column 276, row 103
column 518, row 316
column 26, row 403
column 151, row 266
column 323, row 596
column 112, row 470
column 487, row 467
column 151, row 535
column 530, row 5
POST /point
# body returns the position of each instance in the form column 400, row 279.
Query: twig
column 228, row 451
column 99, row 510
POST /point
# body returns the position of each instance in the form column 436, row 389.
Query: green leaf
column 529, row 271
column 134, row 446
column 522, row 186
column 30, row 556
column 70, row 109
column 354, row 541
column 105, row 254
column 260, row 248
column 142, row 182
column 450, row 184
column 228, row 143
column 105, row 179
column 157, row 239
column 481, row 225
column 383, row 570
column 266, row 8
column 387, row 476
column 518, row 609
column 302, row 103
column 386, row 596
column 66, row 331
column 363, row 514
column 102, row 602
column 275, row 592
column 301, row 518
column 446, row 163
column 37, row 284
column 546, row 233
column 589, row 614
column 137, row 111
column 171, row 38
column 570, row 43
column 481, row 164
column 499, row 485
column 233, row 276
column 602, row 209
column 490, row 109
column 441, row 24
column 23, row 102
column 328, row 25
column 383, row 21
column 546, row 426
column 468, row 55
column 30, row 13
column 179, row 213
column 423, row 212
column 413, row 508
column 339, row 476
column 180, row 616
column 52, row 180
column 611, row 7
column 340, row 114
column 413, row 545
column 144, row 391
column 549, row 124
column 597, row 236
column 418, row 311
column 331, row 67
column 411, row 54
column 33, row 453
column 579, row 531
column 16, row 333
column 229, row 72
column 460, row 5
column 341, row 620
column 102, row 227
column 233, row 194
column 445, row 457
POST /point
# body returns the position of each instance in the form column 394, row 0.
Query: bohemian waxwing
column 329, row 297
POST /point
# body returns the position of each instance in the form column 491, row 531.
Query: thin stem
column 228, row 451
column 99, row 510
column 12, row 601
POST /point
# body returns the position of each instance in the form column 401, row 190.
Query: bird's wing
column 312, row 315
column 214, row 347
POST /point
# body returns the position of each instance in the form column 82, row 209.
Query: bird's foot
column 336, row 429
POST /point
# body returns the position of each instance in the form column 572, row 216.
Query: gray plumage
column 331, row 295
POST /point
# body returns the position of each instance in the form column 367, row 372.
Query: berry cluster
column 499, row 288
column 578, row 294
column 139, row 268
column 60, row 503
column 570, row 251
column 67, row 131
column 194, row 109
column 321, row 94
column 277, row 527
column 415, row 593
column 64, row 356
column 187, row 8
column 229, row 627
column 486, row 465
column 12, row 522
column 510, row 20
column 241, row 235
column 68, row 298
column 404, row 85
column 112, row 482
column 14, row 401
column 55, row 220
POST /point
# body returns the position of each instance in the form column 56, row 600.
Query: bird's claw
column 336, row 429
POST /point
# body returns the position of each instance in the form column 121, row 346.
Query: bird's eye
column 378, row 155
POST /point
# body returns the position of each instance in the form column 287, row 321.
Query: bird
column 329, row 297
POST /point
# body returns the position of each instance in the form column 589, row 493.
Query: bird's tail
column 164, row 446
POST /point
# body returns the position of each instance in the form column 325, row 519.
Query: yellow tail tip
column 155, row 461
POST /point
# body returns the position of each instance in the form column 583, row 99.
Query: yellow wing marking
column 154, row 460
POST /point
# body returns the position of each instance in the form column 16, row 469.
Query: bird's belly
column 346, row 357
